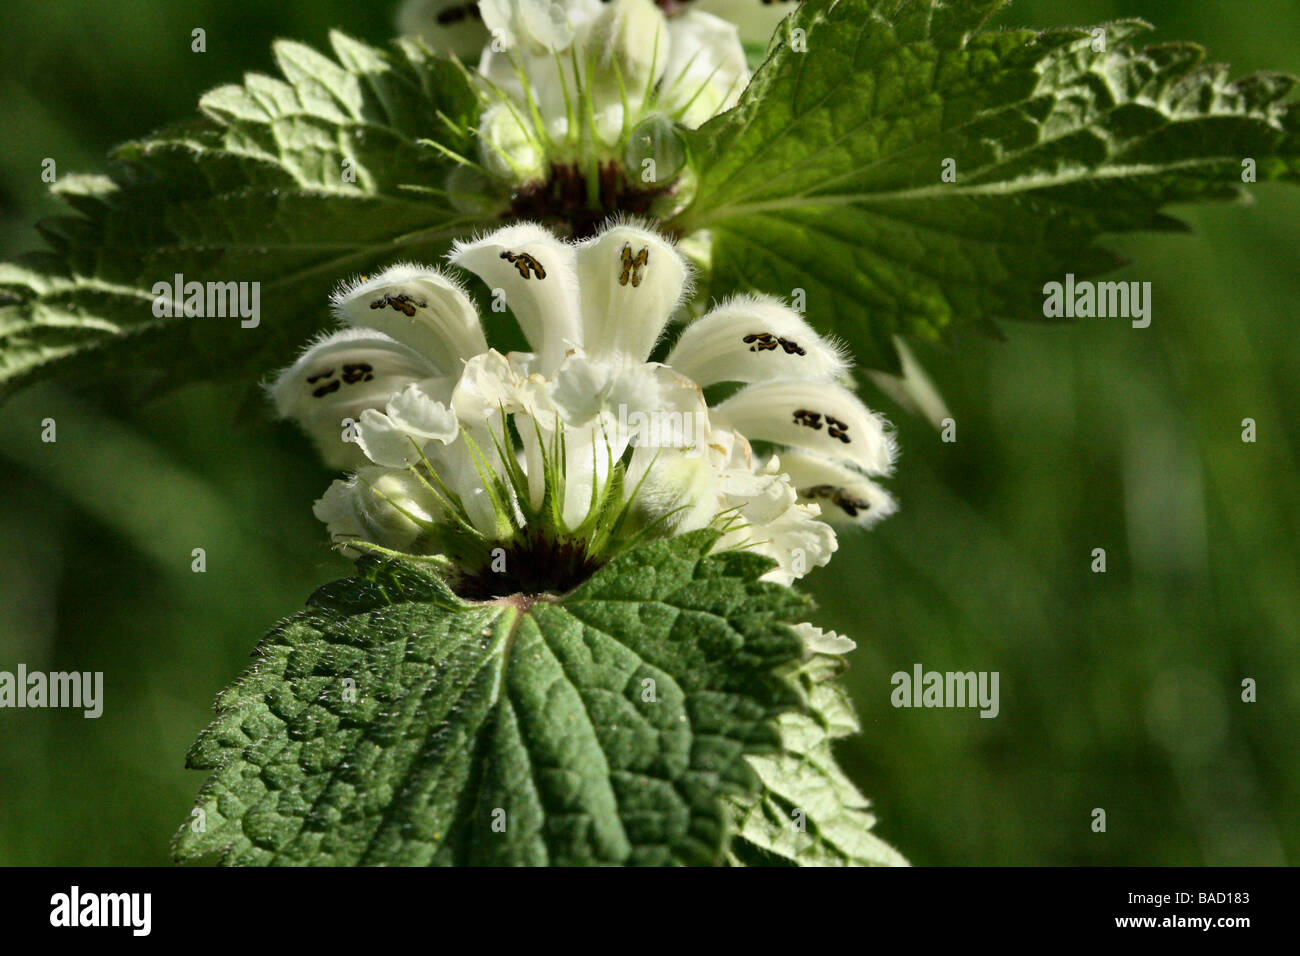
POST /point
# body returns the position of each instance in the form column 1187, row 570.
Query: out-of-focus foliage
column 1119, row 691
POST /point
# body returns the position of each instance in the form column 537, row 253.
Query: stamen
column 808, row 419
column 402, row 303
column 767, row 342
column 850, row 505
column 632, row 265
column 525, row 264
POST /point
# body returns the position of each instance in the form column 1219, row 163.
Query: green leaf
column 540, row 710
column 254, row 190
column 809, row 813
column 826, row 177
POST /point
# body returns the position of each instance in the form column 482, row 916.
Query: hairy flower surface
column 530, row 470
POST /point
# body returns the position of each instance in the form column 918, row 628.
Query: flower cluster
column 584, row 102
column 530, row 469
column 583, row 76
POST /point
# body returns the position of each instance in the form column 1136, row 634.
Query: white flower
column 579, row 447
column 399, row 435
column 379, row 505
column 570, row 82
column 706, row 349
column 774, row 523
column 454, row 25
column 339, row 376
column 845, row 494
column 537, row 27
column 817, row 641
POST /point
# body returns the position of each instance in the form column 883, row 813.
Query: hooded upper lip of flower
column 593, row 313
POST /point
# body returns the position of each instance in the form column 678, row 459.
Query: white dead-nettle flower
column 582, row 83
column 529, row 470
column 455, row 26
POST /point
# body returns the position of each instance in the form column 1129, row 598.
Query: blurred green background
column 1118, row 690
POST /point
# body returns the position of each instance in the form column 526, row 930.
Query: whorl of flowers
column 528, row 470
column 584, row 102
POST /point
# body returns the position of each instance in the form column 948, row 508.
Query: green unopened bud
column 655, row 153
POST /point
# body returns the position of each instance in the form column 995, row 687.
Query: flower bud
column 392, row 506
column 679, row 494
column 633, row 35
column 510, row 150
column 658, row 140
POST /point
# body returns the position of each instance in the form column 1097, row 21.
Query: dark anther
column 632, row 264
column 356, row 372
column 839, row 497
column 525, row 264
column 399, row 303
column 803, row 416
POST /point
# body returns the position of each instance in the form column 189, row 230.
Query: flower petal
column 451, row 25
column 632, row 280
column 679, row 491
column 587, row 388
column 706, row 70
column 537, row 277
column 533, row 27
column 845, row 495
column 773, row 523
column 817, row 641
column 410, row 421
column 752, row 338
column 633, row 35
column 488, row 386
column 419, row 307
column 822, row 417
column 337, row 508
column 338, row 378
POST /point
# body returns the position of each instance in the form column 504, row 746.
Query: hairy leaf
column 292, row 182
column 392, row 723
column 827, row 176
column 809, row 813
